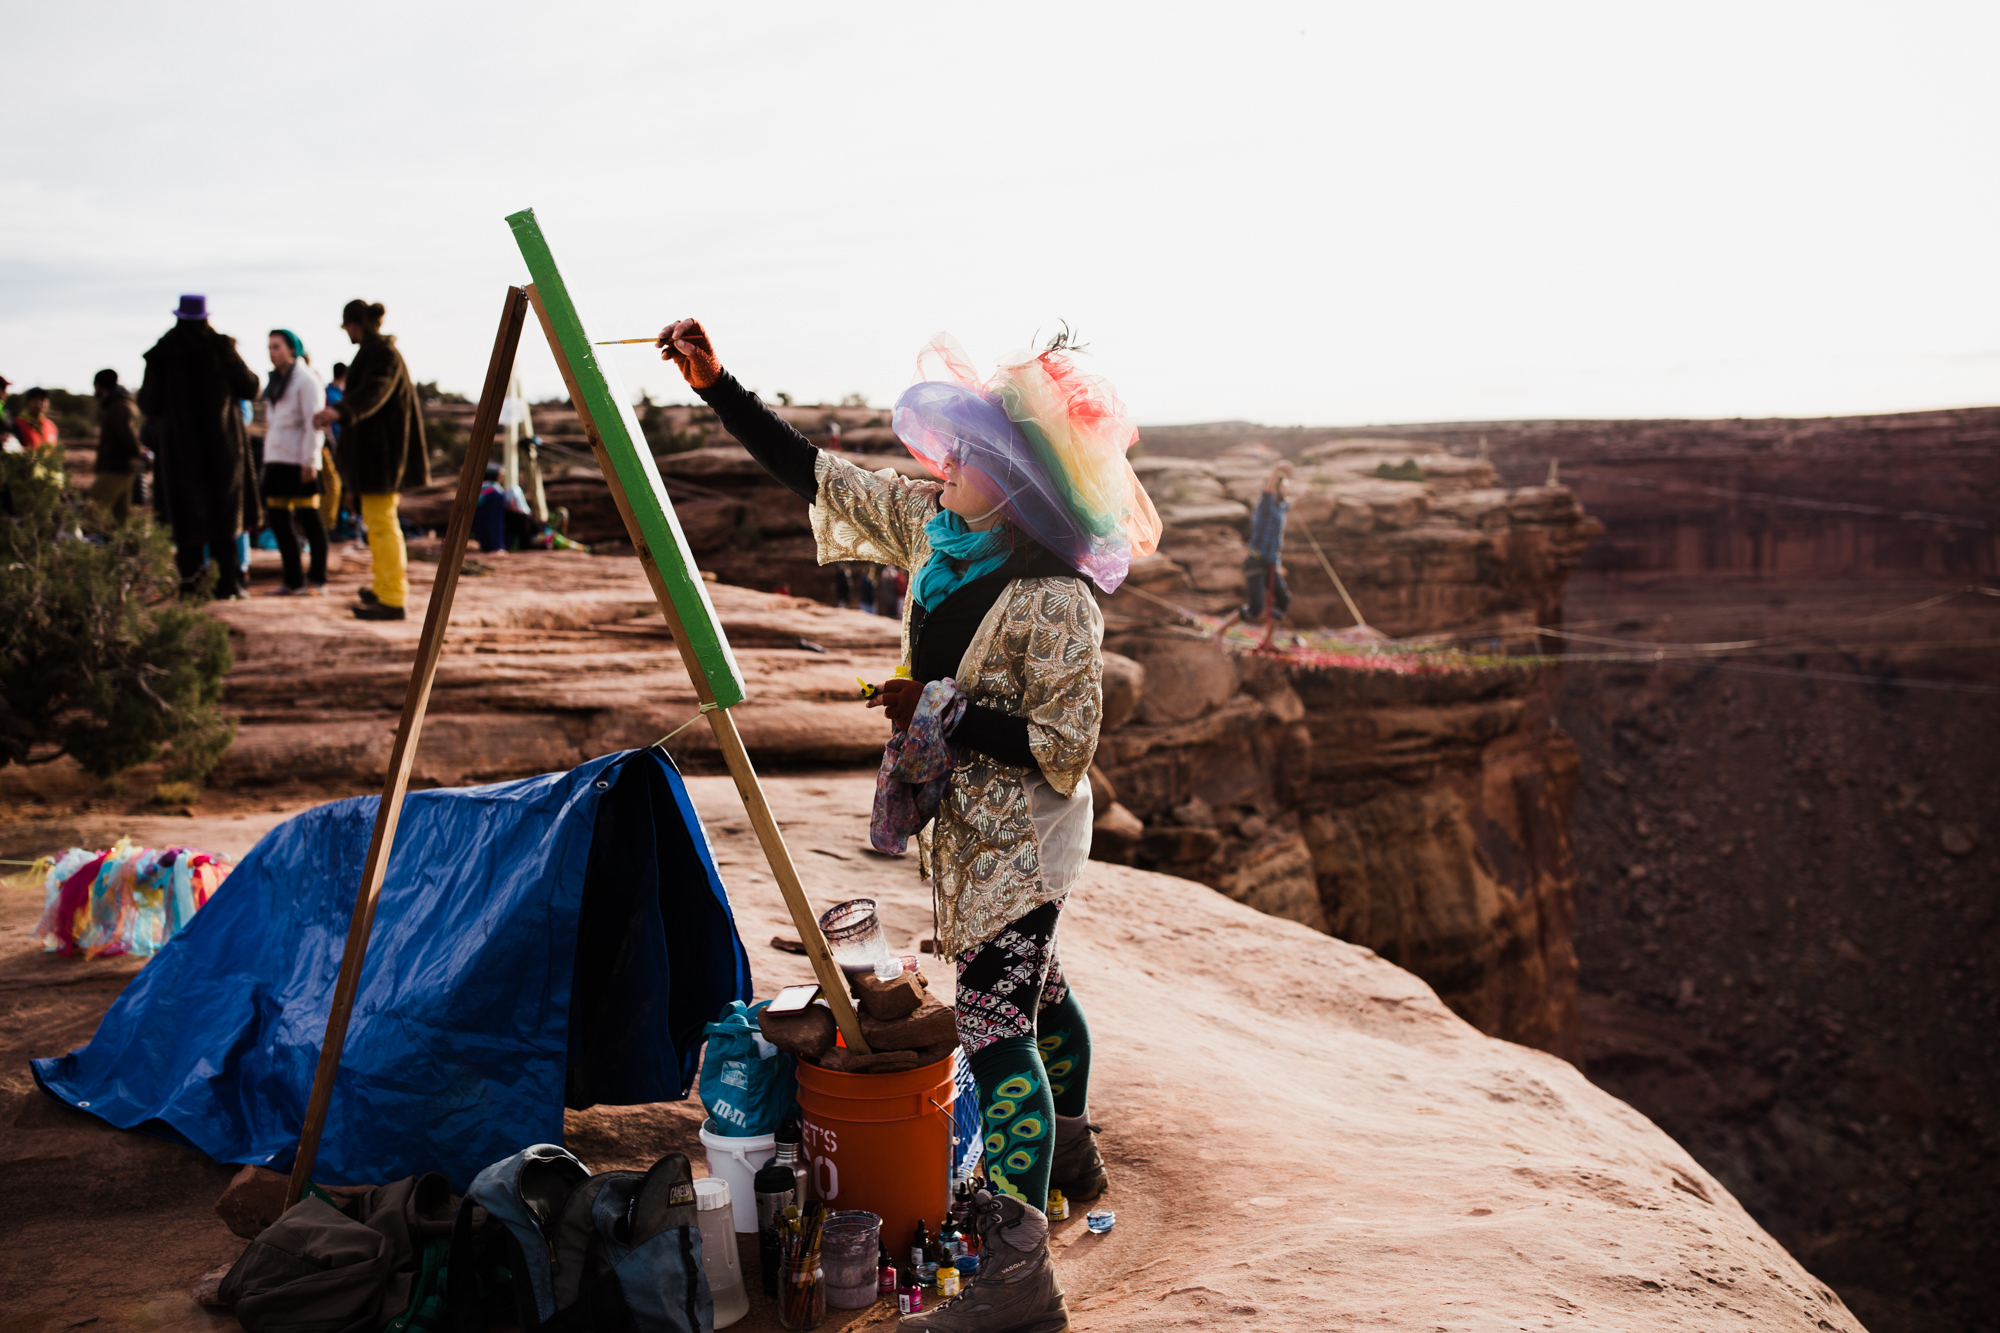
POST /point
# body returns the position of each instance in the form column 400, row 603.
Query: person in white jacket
column 292, row 481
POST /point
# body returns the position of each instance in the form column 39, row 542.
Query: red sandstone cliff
column 1425, row 816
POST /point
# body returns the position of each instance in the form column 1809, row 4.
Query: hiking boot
column 1015, row 1289
column 366, row 596
column 377, row 611
column 1074, row 1167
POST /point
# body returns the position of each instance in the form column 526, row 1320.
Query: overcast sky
column 1281, row 213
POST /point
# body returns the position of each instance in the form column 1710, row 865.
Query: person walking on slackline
column 194, row 380
column 381, row 452
column 1264, row 567
column 1003, row 656
column 293, row 396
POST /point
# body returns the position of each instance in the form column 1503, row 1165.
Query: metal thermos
column 774, row 1186
column 790, row 1141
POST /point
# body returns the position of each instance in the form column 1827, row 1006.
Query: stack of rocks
column 906, row 1026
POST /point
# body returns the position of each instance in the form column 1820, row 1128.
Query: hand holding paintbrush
column 685, row 343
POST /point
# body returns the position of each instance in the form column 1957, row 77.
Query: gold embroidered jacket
column 1006, row 839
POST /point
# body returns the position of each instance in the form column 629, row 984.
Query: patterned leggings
column 1029, row 1047
column 1005, row 982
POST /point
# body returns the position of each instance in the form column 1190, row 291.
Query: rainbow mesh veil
column 1044, row 443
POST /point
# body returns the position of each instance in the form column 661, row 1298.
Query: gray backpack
column 541, row 1243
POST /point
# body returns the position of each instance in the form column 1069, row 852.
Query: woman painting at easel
column 1002, row 647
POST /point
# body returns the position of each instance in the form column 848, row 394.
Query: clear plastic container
column 849, row 1251
column 854, row 935
column 715, row 1215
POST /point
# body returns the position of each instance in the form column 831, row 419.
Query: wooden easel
column 410, row 726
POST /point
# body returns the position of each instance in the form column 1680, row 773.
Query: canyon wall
column 1786, row 851
column 1422, row 813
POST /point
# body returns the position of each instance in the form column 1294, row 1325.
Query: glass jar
column 801, row 1293
column 854, row 936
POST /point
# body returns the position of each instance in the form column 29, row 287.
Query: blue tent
column 558, row 940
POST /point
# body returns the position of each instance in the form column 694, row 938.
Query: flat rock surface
column 1300, row 1135
column 551, row 658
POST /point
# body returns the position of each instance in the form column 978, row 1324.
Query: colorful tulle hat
column 1044, row 443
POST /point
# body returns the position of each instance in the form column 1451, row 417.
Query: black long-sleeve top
column 939, row 636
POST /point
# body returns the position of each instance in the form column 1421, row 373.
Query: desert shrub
column 658, row 429
column 428, row 392
column 447, row 441
column 97, row 660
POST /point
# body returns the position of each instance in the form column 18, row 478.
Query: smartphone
column 793, row 999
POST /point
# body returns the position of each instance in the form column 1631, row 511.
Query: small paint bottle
column 910, row 1300
column 947, row 1281
column 885, row 1277
column 1058, row 1209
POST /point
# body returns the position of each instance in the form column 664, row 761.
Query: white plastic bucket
column 736, row 1160
column 718, row 1250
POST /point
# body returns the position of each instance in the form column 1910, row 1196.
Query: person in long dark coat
column 381, row 452
column 195, row 379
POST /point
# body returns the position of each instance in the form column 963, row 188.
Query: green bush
column 660, row 435
column 97, row 660
column 428, row 392
column 447, row 441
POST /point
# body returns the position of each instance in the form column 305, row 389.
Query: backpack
column 541, row 1243
column 324, row 1267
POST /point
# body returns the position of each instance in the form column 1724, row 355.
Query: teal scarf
column 958, row 556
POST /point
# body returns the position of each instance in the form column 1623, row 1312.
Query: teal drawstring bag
column 747, row 1084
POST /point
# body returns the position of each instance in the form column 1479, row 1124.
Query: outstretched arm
column 856, row 515
column 784, row 453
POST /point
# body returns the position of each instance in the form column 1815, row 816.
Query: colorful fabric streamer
column 916, row 765
column 1043, row 443
column 125, row 899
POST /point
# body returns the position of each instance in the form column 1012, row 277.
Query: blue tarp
column 467, row 1035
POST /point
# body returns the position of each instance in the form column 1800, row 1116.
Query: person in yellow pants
column 391, row 558
column 381, row 452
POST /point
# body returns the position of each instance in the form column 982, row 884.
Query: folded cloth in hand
column 916, row 764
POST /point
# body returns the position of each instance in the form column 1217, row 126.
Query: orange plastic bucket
column 882, row 1143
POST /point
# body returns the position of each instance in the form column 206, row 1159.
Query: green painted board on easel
column 623, row 441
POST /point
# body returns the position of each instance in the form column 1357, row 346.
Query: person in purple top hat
column 194, row 379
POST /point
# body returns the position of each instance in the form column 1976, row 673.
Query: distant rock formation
column 1425, row 816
